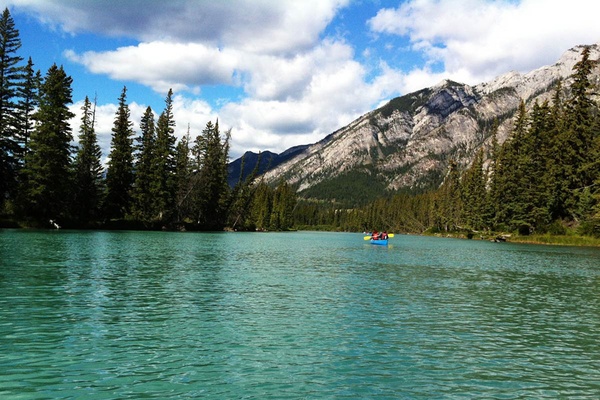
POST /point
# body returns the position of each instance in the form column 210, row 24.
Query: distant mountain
column 267, row 160
column 408, row 143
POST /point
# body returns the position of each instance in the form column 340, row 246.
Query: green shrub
column 590, row 227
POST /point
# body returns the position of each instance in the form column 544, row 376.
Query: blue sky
column 285, row 72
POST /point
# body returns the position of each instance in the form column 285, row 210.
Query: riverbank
column 546, row 239
column 560, row 240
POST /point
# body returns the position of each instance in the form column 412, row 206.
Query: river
column 299, row 315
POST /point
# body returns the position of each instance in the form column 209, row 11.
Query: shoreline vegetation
column 541, row 239
column 562, row 240
column 569, row 239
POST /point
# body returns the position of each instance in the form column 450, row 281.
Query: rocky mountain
column 408, row 143
column 244, row 166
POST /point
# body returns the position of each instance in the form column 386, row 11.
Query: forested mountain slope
column 408, row 143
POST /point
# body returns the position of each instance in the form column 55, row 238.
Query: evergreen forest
column 151, row 179
column 545, row 178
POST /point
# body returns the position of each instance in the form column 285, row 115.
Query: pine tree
column 262, row 204
column 10, row 81
column 509, row 174
column 143, row 199
column 446, row 207
column 183, row 178
column 119, row 175
column 449, row 204
column 592, row 225
column 536, row 177
column 28, row 101
column 580, row 106
column 493, row 195
column 573, row 125
column 47, row 179
column 558, row 185
column 473, row 192
column 578, row 136
column 163, row 182
column 284, row 201
column 211, row 189
column 88, row 169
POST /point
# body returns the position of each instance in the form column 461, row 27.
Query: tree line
column 545, row 178
column 152, row 180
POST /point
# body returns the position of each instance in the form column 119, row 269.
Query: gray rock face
column 408, row 142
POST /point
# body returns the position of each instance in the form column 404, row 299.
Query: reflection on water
column 294, row 315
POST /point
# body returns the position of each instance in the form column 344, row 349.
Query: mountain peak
column 445, row 83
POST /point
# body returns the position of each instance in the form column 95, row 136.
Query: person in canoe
column 379, row 235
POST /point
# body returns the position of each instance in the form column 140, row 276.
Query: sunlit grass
column 562, row 240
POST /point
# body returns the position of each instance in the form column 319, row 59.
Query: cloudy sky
column 285, row 72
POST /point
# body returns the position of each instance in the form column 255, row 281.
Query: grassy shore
column 561, row 240
column 570, row 239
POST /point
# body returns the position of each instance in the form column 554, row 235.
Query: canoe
column 383, row 242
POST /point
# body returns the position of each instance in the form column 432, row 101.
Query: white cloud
column 162, row 65
column 295, row 86
column 301, row 100
column 290, row 100
column 269, row 77
column 193, row 114
column 262, row 26
column 478, row 40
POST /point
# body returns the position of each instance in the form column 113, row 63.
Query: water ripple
column 129, row 315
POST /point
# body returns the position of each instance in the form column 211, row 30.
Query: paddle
column 369, row 237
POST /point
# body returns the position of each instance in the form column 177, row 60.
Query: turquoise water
column 130, row 315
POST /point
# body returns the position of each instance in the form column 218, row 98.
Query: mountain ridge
column 407, row 143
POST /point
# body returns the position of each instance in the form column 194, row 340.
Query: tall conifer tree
column 450, row 205
column 47, row 178
column 474, row 193
column 575, row 141
column 119, row 175
column 88, row 168
column 211, row 189
column 493, row 195
column 261, row 206
column 163, row 185
column 558, row 186
column 143, row 199
column 509, row 173
column 28, row 101
column 580, row 135
column 183, row 178
column 535, row 163
column 10, row 81
column 284, row 201
column 594, row 217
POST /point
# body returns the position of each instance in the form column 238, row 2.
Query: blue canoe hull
column 382, row 242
